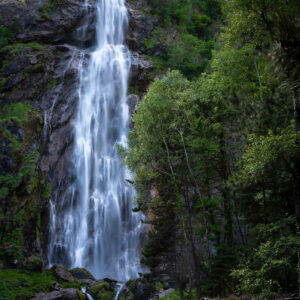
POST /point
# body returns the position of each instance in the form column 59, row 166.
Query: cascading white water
column 95, row 227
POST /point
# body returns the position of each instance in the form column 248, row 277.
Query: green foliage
column 6, row 36
column 23, row 284
column 47, row 191
column 259, row 21
column 176, row 296
column 218, row 154
column 66, row 285
column 20, row 284
column 158, row 286
column 265, row 152
column 189, row 55
column 49, row 6
column 19, row 187
column 101, row 291
column 271, row 25
column 17, row 111
column 187, row 44
column 81, row 296
column 270, row 267
column 183, row 12
column 16, row 47
column 106, row 295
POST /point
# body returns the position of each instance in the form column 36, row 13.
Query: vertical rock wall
column 39, row 57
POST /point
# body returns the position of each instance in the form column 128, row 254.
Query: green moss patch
column 106, row 295
column 50, row 6
column 20, row 127
column 101, row 291
column 6, row 36
column 81, row 273
column 23, row 284
column 103, row 286
column 20, row 284
column 21, row 46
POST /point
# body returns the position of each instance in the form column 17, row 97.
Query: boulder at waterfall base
column 81, row 273
column 103, row 289
column 61, row 272
column 33, row 263
column 64, row 294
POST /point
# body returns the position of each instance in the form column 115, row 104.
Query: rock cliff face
column 39, row 58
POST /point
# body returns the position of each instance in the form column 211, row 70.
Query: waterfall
column 93, row 225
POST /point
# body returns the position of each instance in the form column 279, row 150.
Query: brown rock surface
column 64, row 294
column 61, row 272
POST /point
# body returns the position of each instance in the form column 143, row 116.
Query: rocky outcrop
column 64, row 294
column 62, row 273
column 39, row 62
column 50, row 22
column 138, row 289
column 141, row 73
column 38, row 88
column 103, row 289
column 33, row 263
column 60, row 21
column 81, row 273
column 141, row 24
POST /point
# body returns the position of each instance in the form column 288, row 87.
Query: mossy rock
column 106, row 295
column 61, row 272
column 98, row 291
column 104, row 285
column 81, row 296
column 33, row 263
column 131, row 284
column 158, row 286
column 81, row 273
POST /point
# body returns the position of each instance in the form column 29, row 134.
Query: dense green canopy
column 222, row 151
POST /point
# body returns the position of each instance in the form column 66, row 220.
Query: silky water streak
column 95, row 227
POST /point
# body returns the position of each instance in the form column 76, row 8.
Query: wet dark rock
column 103, row 289
column 64, row 294
column 140, row 289
column 61, row 272
column 81, row 273
column 33, row 59
column 14, row 128
column 6, row 160
column 50, row 22
column 17, row 65
column 61, row 254
column 141, row 72
column 133, row 101
column 54, row 22
column 55, row 286
column 13, row 81
column 40, row 69
column 16, row 16
column 141, row 24
column 85, row 34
